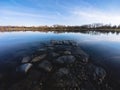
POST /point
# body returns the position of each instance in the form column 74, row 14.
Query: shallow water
column 103, row 48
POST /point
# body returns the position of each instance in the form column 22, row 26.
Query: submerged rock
column 65, row 59
column 66, row 42
column 61, row 66
column 62, row 72
column 42, row 49
column 99, row 74
column 67, row 52
column 38, row 58
column 54, row 42
column 24, row 68
column 45, row 65
column 53, row 54
column 26, row 59
column 83, row 59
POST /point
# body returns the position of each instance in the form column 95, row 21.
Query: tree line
column 96, row 26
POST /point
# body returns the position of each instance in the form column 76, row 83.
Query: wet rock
column 42, row 50
column 83, row 59
column 38, row 58
column 54, row 42
column 67, row 52
column 26, row 59
column 50, row 48
column 87, row 85
column 99, row 74
column 78, row 51
column 61, row 48
column 53, row 54
column 45, row 65
column 73, row 43
column 61, row 65
column 66, row 42
column 62, row 71
column 24, row 68
column 65, row 59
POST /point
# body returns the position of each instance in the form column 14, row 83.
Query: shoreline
column 69, row 31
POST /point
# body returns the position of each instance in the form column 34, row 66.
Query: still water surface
column 103, row 48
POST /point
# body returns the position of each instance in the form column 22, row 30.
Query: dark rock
column 83, row 59
column 66, row 42
column 53, row 54
column 61, row 48
column 78, row 51
column 61, row 65
column 35, row 75
column 45, row 65
column 67, row 52
column 87, row 85
column 26, row 59
column 65, row 59
column 24, row 68
column 38, row 58
column 99, row 74
column 73, row 43
column 62, row 71
column 50, row 48
column 54, row 42
column 42, row 50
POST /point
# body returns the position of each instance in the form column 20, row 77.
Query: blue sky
column 63, row 12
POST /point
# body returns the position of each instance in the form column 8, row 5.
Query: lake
column 103, row 48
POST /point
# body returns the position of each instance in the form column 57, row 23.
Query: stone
column 63, row 71
column 60, row 66
column 50, row 48
column 60, row 48
column 87, row 85
column 26, row 59
column 99, row 74
column 53, row 54
column 83, row 59
column 38, row 58
column 78, row 51
column 54, row 42
column 67, row 52
column 65, row 59
column 60, row 43
column 24, row 68
column 73, row 43
column 66, row 42
column 42, row 50
column 45, row 65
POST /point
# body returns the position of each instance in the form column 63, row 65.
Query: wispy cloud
column 73, row 12
column 96, row 15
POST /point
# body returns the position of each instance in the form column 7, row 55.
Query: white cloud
column 97, row 16
column 63, row 13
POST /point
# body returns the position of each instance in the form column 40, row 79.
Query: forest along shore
column 64, row 28
column 59, row 65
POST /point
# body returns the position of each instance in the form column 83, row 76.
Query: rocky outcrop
column 26, row 59
column 24, row 68
column 61, row 65
column 65, row 59
column 38, row 58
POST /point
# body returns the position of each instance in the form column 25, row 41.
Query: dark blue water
column 103, row 48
